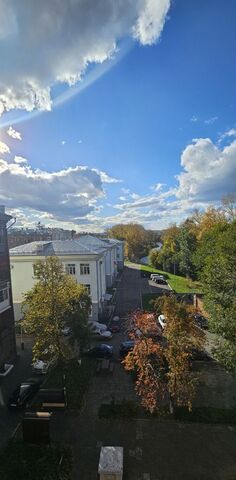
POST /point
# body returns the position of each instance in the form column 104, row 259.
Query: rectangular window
column 70, row 268
column 84, row 269
column 4, row 294
column 88, row 287
column 118, row 255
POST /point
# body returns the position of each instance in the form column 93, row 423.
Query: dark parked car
column 126, row 347
column 100, row 351
column 23, row 393
column 201, row 321
column 160, row 281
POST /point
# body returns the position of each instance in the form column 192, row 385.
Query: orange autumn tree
column 163, row 361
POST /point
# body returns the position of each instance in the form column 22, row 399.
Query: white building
column 110, row 255
column 120, row 256
column 86, row 264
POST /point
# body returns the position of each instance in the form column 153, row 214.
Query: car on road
column 99, row 351
column 97, row 325
column 154, row 276
column 162, row 321
column 42, row 366
column 100, row 334
column 23, row 393
column 126, row 347
column 160, row 281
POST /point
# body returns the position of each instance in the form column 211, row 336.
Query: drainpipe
column 97, row 283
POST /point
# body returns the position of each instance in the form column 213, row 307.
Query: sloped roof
column 113, row 240
column 92, row 241
column 55, row 247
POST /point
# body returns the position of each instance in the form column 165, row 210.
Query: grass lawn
column 178, row 284
column 77, row 380
column 21, row 461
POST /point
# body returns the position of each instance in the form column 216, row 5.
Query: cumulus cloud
column 44, row 43
column 19, row 159
column 14, row 133
column 194, row 118
column 209, row 172
column 4, row 148
column 68, row 194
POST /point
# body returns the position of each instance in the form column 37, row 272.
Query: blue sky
column 152, row 138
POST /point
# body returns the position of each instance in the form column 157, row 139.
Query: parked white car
column 41, row 367
column 97, row 325
column 156, row 276
column 162, row 321
column 103, row 334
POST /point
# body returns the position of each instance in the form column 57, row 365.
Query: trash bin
column 111, row 463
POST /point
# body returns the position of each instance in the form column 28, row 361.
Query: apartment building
column 7, row 328
column 85, row 263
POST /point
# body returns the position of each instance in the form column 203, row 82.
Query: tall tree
column 186, row 248
column 54, row 302
column 163, row 365
column 138, row 241
column 219, row 283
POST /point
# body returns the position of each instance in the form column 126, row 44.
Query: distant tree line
column 138, row 240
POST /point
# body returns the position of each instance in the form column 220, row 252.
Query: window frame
column 84, row 268
column 70, row 268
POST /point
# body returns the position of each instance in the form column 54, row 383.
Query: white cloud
column 44, row 43
column 157, row 187
column 209, row 172
column 4, row 148
column 68, row 194
column 63, row 142
column 229, row 133
column 105, row 178
column 211, row 120
column 19, row 159
column 14, row 133
column 194, row 118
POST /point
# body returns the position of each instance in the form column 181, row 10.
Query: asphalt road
column 131, row 288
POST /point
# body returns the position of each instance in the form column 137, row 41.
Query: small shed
column 111, row 463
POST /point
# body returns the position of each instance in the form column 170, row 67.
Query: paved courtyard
column 153, row 450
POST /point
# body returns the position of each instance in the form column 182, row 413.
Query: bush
column 20, row 461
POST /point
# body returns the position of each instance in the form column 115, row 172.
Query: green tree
column 167, row 257
column 219, row 283
column 187, row 244
column 54, row 302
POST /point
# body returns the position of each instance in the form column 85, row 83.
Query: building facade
column 110, row 255
column 85, row 264
column 7, row 327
